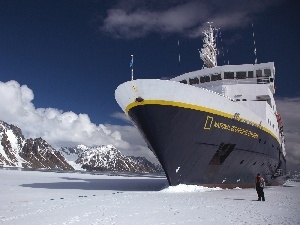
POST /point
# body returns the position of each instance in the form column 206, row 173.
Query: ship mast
column 208, row 52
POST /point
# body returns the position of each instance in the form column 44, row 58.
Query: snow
column 181, row 188
column 13, row 140
column 36, row 197
column 83, row 147
column 71, row 157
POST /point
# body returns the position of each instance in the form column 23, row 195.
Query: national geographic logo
column 210, row 123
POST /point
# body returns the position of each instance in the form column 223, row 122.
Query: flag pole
column 131, row 65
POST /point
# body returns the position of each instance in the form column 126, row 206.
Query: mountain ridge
column 16, row 151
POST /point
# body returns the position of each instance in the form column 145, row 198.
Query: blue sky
column 67, row 57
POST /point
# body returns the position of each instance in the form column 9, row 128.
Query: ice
column 35, row 197
column 188, row 188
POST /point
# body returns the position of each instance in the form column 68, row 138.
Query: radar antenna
column 209, row 52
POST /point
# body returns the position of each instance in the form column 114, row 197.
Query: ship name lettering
column 235, row 129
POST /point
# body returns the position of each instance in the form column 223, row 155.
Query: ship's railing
column 214, row 85
column 218, row 85
column 260, row 73
column 207, row 79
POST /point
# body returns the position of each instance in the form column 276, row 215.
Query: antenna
column 179, row 56
column 208, row 52
column 254, row 45
column 131, row 65
column 178, row 53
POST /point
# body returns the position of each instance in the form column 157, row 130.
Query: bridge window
column 215, row 77
column 267, row 72
column 241, row 75
column 258, row 73
column 204, row 79
column 183, row 81
column 228, row 75
column 250, row 74
column 194, row 80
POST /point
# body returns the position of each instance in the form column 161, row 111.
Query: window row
column 232, row 75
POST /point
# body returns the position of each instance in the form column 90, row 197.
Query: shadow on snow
column 132, row 184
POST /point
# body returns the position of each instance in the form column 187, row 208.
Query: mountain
column 39, row 154
column 17, row 151
column 146, row 165
column 107, row 158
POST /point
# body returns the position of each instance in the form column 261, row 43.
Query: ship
column 214, row 127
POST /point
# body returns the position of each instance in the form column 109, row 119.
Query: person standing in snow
column 259, row 185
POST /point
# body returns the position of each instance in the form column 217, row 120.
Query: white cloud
column 55, row 126
column 122, row 116
column 134, row 19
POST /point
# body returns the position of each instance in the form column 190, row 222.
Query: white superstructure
column 250, row 86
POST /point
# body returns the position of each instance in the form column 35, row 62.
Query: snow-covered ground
column 33, row 197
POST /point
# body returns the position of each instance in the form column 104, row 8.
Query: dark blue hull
column 202, row 148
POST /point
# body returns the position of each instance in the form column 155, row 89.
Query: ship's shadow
column 111, row 183
column 236, row 199
column 240, row 199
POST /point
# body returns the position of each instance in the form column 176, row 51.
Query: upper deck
column 263, row 73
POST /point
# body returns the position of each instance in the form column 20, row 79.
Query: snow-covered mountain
column 12, row 142
column 15, row 150
column 39, row 154
column 71, row 154
column 107, row 158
